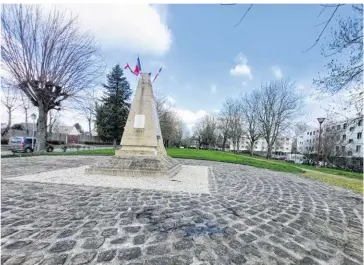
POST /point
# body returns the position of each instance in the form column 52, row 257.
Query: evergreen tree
column 113, row 112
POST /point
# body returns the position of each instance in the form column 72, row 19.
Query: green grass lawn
column 332, row 171
column 95, row 152
column 231, row 158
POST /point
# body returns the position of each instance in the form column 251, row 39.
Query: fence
column 58, row 137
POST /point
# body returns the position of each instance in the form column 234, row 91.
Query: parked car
column 24, row 144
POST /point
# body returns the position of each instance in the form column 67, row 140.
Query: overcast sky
column 205, row 58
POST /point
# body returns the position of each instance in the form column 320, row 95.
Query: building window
column 359, row 135
column 360, row 123
column 337, row 149
column 310, row 133
column 333, row 128
column 344, row 136
column 350, row 153
column 338, row 138
column 351, row 129
column 350, row 141
column 313, row 132
column 310, row 140
column 358, row 148
column 345, row 125
column 338, row 127
column 342, row 148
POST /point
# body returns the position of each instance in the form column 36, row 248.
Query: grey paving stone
column 64, row 245
column 129, row 253
column 82, row 258
column 105, row 256
column 55, row 260
column 139, row 240
column 159, row 249
column 93, row 242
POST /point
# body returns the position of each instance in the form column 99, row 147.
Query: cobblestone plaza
column 249, row 216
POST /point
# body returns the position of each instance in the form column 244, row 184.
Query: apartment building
column 282, row 146
column 342, row 139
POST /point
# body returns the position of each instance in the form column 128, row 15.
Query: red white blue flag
column 138, row 68
column 160, row 70
column 128, row 67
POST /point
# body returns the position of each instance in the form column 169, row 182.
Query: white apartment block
column 344, row 138
column 282, row 145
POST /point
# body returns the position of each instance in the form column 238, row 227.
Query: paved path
column 252, row 216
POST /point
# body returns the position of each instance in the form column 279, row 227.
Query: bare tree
column 53, row 116
column 250, row 105
column 180, row 132
column 26, row 104
column 167, row 118
column 209, row 135
column 236, row 121
column 346, row 39
column 48, row 57
column 198, row 131
column 9, row 100
column 87, row 108
column 223, row 122
column 278, row 105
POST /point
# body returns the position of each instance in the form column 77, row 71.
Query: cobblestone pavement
column 251, row 216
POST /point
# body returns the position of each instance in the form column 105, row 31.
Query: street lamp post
column 33, row 116
column 320, row 120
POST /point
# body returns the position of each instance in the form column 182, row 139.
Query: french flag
column 160, row 70
column 128, row 67
column 138, row 68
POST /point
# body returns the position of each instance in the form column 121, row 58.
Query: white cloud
column 213, row 89
column 277, row 72
column 190, row 117
column 140, row 28
column 242, row 67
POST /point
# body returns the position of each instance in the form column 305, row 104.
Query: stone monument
column 142, row 152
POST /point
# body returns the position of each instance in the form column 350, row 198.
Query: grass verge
column 230, row 158
column 95, row 152
column 355, row 185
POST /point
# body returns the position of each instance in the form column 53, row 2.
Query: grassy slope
column 230, row 158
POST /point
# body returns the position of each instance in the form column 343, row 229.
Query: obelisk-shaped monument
column 142, row 152
column 142, row 134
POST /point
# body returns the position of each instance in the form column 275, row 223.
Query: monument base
column 137, row 166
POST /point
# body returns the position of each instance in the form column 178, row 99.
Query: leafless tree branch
column 237, row 24
column 323, row 30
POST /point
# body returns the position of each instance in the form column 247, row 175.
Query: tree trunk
column 224, row 142
column 251, row 148
column 269, row 151
column 89, row 130
column 9, row 118
column 41, row 128
column 26, row 119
